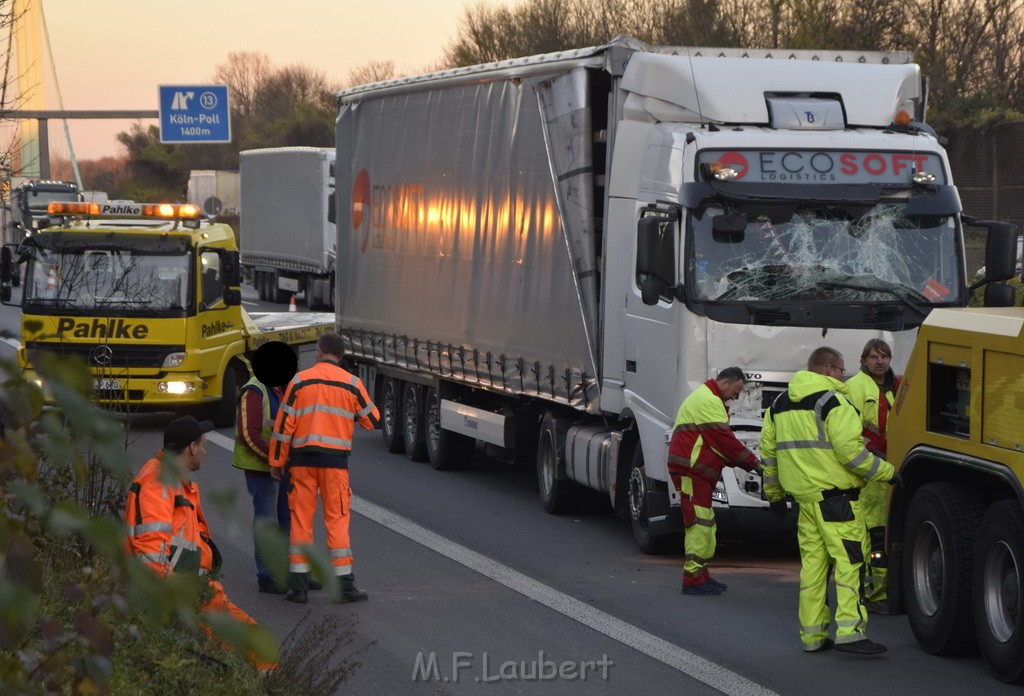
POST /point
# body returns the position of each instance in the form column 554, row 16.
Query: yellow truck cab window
column 212, row 282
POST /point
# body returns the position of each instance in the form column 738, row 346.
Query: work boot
column 717, row 583
column 861, row 647
column 880, row 606
column 826, row 645
column 315, row 584
column 703, row 589
column 297, row 596
column 270, row 586
column 349, row 591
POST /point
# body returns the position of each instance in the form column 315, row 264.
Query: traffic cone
column 51, row 279
column 291, row 305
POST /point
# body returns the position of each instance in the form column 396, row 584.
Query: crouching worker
column 166, row 526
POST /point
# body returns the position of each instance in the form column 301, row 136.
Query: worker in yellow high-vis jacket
column 873, row 392
column 811, row 449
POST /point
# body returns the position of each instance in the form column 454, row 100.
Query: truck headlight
column 174, row 359
column 175, row 387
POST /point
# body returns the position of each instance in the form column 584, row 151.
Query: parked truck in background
column 26, row 209
column 148, row 297
column 955, row 534
column 287, row 233
column 548, row 254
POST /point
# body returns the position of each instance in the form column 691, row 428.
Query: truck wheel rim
column 1001, row 591
column 637, row 493
column 411, row 421
column 547, row 463
column 928, row 568
column 389, row 408
column 434, row 423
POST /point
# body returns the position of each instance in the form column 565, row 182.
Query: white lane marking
column 12, row 342
column 224, row 441
column 690, row 664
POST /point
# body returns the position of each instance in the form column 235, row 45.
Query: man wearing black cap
column 166, row 527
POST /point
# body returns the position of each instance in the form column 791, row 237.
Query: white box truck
column 286, row 226
column 548, row 254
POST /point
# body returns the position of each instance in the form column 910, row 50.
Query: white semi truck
column 286, row 226
column 548, row 254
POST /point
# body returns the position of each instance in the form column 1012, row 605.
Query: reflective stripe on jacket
column 874, row 403
column 702, row 441
column 166, row 526
column 318, row 413
column 244, row 456
column 811, row 442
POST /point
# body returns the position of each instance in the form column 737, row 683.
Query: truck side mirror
column 999, row 295
column 231, row 269
column 6, row 264
column 232, row 297
column 6, row 272
column 1000, row 250
column 655, row 256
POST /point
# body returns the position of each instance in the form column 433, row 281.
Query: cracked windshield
column 114, row 279
column 827, row 253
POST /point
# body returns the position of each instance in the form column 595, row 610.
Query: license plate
column 106, row 384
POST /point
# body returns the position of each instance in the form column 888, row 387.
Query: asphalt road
column 475, row 590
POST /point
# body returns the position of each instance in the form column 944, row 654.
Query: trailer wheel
column 264, row 285
column 274, row 291
column 999, row 593
column 639, row 514
column 224, row 410
column 391, row 415
column 414, row 433
column 558, row 495
column 938, row 542
column 445, row 450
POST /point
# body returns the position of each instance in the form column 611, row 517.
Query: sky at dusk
column 113, row 54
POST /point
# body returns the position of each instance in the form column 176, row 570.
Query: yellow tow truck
column 148, row 295
column 955, row 533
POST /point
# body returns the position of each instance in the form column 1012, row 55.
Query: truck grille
column 106, row 355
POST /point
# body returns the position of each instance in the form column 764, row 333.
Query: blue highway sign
column 194, row 114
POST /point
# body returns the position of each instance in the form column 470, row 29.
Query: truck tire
column 391, row 415
column 938, row 543
column 557, row 495
column 260, row 281
column 414, row 432
column 998, row 576
column 653, row 544
column 274, row 292
column 224, row 410
column 445, row 450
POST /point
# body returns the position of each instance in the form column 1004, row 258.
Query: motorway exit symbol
column 194, row 114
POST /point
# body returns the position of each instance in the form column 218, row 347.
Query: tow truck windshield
column 118, row 280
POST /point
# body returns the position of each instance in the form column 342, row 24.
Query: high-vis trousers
column 831, row 532
column 700, row 528
column 220, row 604
column 872, row 500
column 334, row 494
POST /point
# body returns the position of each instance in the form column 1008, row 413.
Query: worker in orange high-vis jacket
column 166, row 526
column 702, row 445
column 312, row 436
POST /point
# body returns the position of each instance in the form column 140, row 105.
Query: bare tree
column 244, row 73
column 373, row 71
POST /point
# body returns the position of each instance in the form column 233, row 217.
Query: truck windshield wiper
column 908, row 297
column 125, row 301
